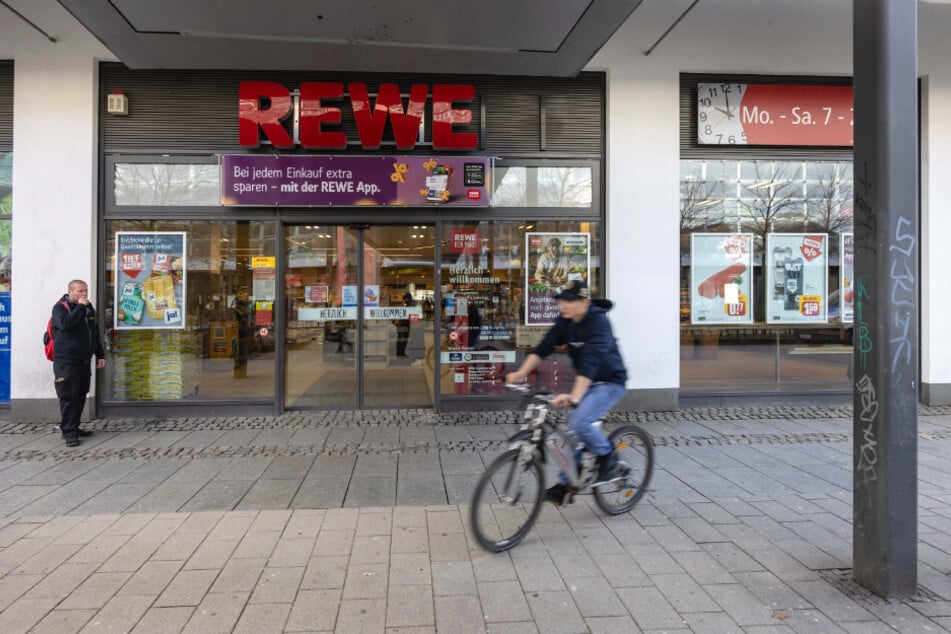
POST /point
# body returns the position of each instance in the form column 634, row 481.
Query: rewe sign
column 317, row 109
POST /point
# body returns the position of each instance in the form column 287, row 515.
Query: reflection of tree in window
column 769, row 202
column 166, row 184
column 564, row 187
column 829, row 200
column 698, row 211
column 542, row 187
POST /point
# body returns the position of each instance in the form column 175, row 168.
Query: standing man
column 600, row 374
column 76, row 340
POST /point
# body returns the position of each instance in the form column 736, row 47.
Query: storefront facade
column 282, row 304
column 324, row 293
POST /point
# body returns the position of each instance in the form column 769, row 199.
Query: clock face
column 719, row 116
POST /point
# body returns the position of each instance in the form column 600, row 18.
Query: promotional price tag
column 811, row 247
column 810, row 305
column 132, row 264
column 737, row 309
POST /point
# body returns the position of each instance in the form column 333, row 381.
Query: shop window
column 770, row 201
column 222, row 344
column 167, row 184
column 521, row 186
column 496, row 305
column 6, row 270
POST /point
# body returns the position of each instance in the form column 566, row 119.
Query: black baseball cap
column 574, row 290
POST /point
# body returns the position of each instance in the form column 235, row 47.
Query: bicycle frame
column 541, row 438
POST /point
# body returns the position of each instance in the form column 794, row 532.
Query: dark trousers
column 402, row 338
column 72, row 385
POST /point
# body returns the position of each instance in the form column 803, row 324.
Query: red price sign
column 132, row 264
column 736, row 248
column 810, row 305
column 811, row 247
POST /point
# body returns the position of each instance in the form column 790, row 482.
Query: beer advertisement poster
column 796, row 277
column 721, row 278
column 150, row 280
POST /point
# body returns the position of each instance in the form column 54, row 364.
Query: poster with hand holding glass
column 797, row 277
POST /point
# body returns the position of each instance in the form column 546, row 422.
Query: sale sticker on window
column 797, row 274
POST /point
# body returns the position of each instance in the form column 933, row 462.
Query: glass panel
column 6, row 184
column 772, row 197
column 6, row 270
column 487, row 279
column 167, row 184
column 398, row 334
column 226, row 350
column 520, row 186
column 321, row 316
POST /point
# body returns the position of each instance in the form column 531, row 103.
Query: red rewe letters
column 313, row 114
column 445, row 116
column 370, row 120
column 250, row 114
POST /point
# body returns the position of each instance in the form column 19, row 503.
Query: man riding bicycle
column 599, row 384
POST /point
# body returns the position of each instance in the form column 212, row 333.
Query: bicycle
column 509, row 495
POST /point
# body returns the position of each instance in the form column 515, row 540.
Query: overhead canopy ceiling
column 505, row 37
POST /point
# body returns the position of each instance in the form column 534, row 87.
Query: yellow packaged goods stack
column 159, row 291
column 155, row 365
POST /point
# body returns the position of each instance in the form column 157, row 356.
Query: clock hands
column 729, row 113
column 726, row 100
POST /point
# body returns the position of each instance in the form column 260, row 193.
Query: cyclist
column 584, row 328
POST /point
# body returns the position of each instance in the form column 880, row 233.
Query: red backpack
column 48, row 336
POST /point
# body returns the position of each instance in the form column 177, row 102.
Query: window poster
column 721, row 274
column 796, row 277
column 6, row 266
column 846, row 277
column 553, row 259
column 150, row 280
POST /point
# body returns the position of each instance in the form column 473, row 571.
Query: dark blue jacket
column 75, row 333
column 591, row 344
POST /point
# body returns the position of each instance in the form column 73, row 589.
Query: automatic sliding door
column 398, row 332
column 320, row 335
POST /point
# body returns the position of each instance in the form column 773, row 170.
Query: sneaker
column 84, row 433
column 556, row 494
column 72, row 442
column 607, row 465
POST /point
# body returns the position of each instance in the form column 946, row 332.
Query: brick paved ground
column 357, row 522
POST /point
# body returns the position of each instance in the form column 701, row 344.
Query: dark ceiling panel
column 493, row 37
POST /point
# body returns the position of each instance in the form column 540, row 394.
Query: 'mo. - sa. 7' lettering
column 254, row 116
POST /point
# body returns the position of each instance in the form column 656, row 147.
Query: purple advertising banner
column 348, row 181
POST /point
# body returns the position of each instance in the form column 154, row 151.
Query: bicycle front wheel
column 506, row 501
column 635, row 451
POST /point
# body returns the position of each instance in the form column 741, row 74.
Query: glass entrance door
column 359, row 316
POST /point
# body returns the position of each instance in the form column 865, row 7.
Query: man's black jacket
column 75, row 333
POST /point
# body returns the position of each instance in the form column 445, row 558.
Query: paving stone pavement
column 357, row 521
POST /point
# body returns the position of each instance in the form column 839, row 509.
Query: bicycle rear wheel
column 635, row 451
column 506, row 501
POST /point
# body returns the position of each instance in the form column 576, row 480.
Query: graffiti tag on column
column 866, row 225
column 867, row 458
column 902, row 277
column 863, row 339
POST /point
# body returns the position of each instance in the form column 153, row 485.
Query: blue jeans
column 597, row 402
